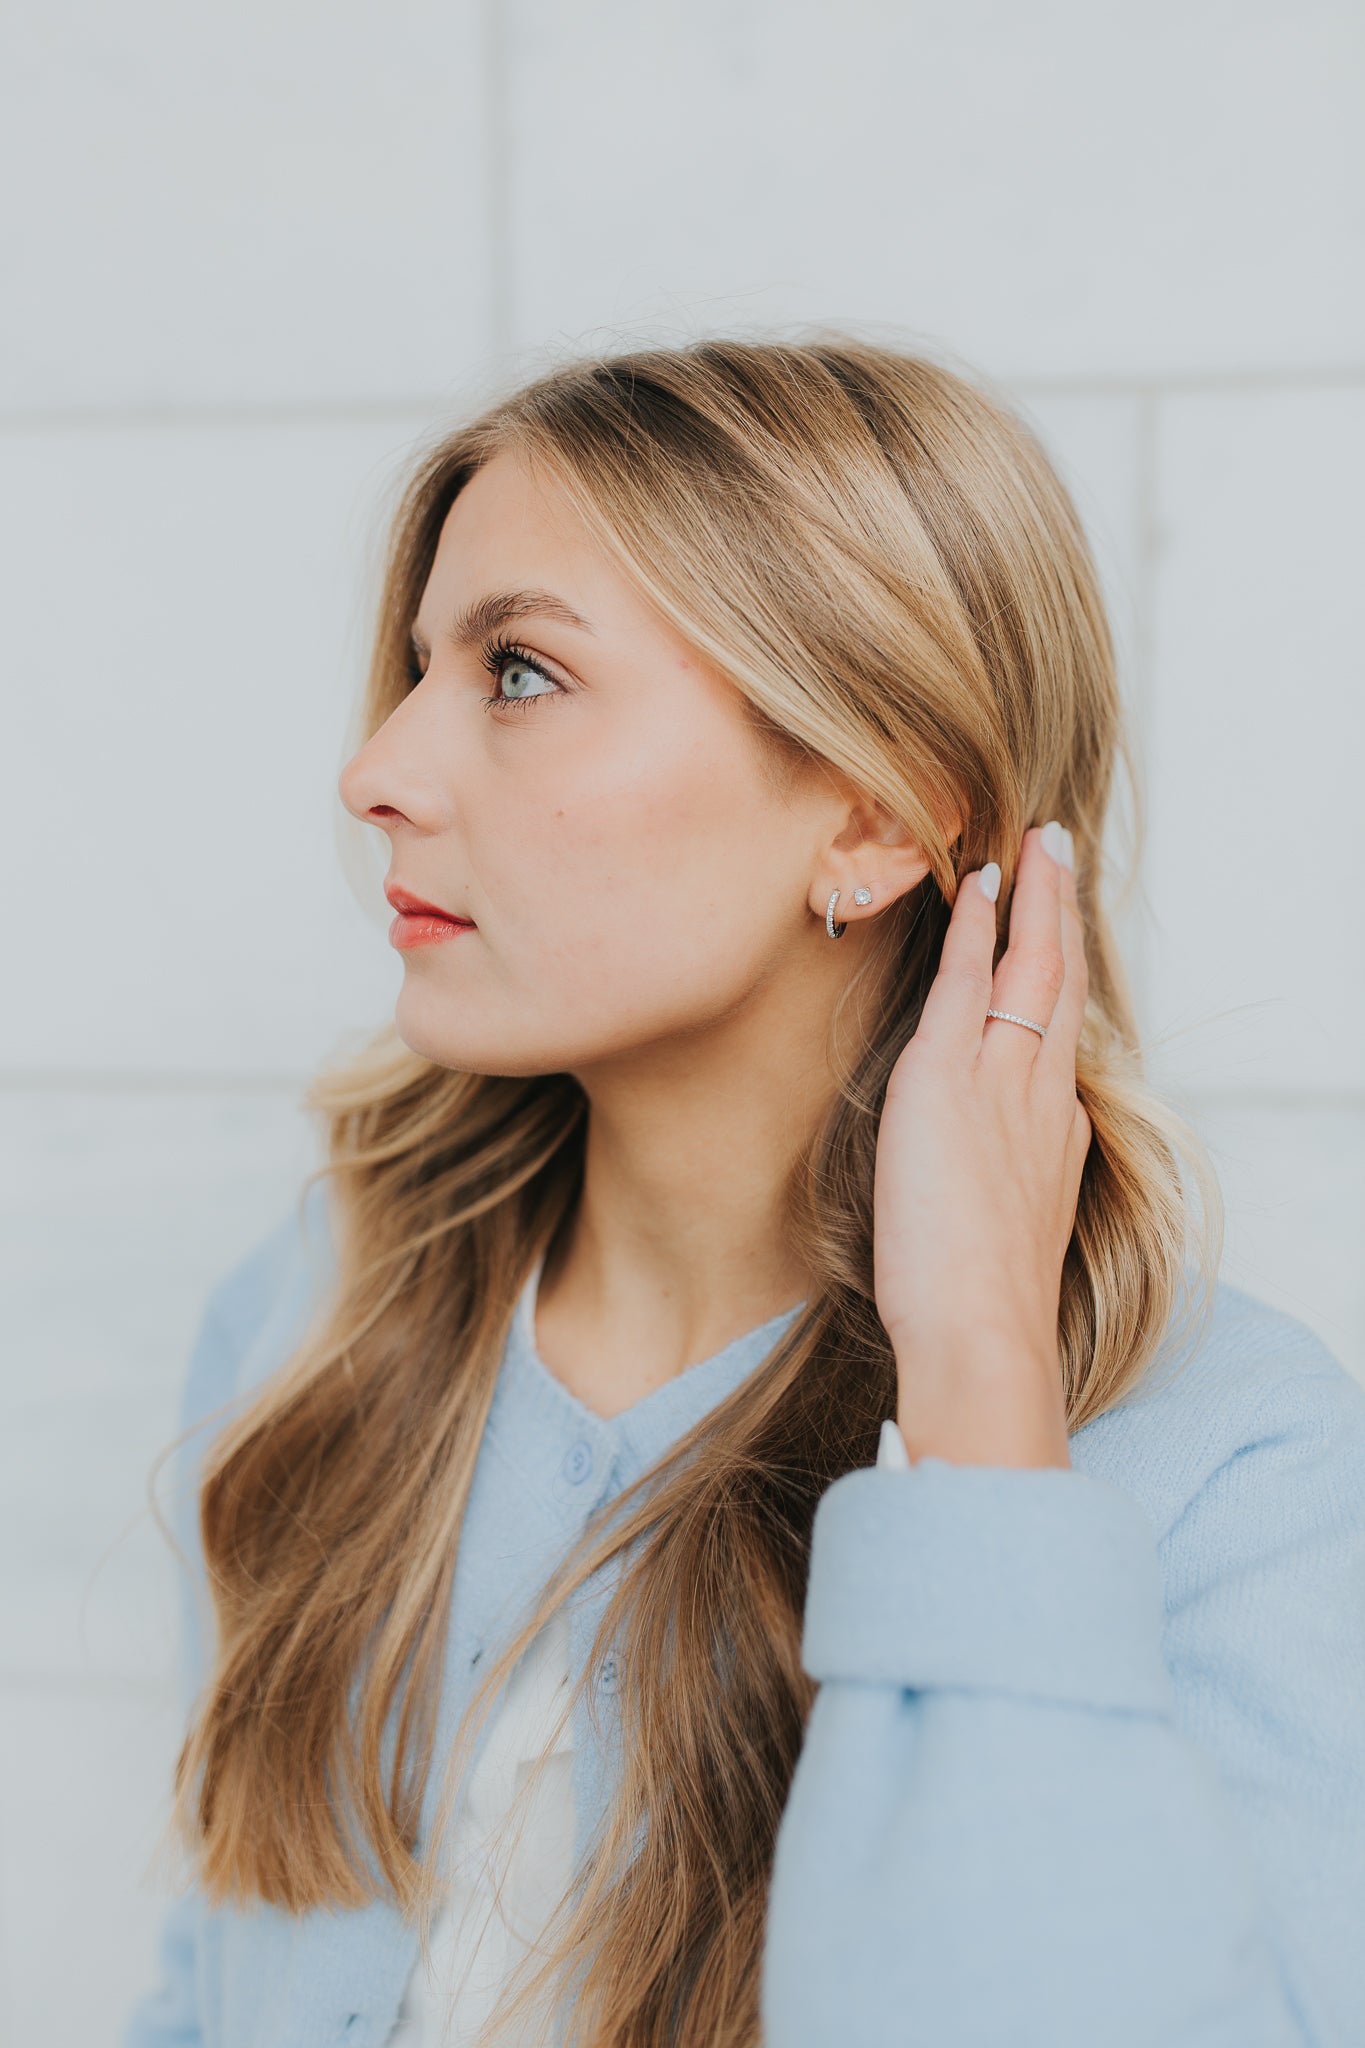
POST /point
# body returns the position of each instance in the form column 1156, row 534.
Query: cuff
column 994, row 1578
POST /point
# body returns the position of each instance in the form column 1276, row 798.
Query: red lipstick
column 419, row 923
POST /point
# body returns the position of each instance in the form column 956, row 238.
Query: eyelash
column 495, row 654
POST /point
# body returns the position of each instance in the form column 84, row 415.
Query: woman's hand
column 979, row 1157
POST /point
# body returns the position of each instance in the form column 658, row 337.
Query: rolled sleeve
column 1035, row 1581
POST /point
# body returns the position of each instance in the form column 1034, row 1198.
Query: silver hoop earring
column 836, row 931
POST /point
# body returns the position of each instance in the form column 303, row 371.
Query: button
column 578, row 1463
column 609, row 1672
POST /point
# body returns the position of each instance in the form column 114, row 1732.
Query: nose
column 357, row 786
column 389, row 782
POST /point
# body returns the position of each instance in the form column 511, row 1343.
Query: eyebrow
column 479, row 620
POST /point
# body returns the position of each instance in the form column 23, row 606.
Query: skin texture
column 650, row 917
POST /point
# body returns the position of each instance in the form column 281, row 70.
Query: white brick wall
column 250, row 255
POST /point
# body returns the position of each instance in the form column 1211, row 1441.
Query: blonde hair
column 879, row 555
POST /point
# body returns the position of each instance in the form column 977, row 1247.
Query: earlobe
column 836, row 931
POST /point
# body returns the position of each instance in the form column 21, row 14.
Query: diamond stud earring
column 836, row 931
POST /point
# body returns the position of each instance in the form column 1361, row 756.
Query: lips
column 416, row 906
column 420, row 923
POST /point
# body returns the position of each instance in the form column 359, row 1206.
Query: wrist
column 989, row 1407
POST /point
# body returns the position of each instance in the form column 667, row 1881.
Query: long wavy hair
column 878, row 554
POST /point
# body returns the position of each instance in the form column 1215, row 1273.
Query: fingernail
column 1070, row 849
column 1055, row 839
column 989, row 879
column 892, row 1449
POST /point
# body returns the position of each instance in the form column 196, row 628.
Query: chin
column 461, row 1053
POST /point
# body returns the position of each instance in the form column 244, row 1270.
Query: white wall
column 252, row 253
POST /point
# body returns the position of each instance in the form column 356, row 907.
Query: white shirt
column 476, row 1938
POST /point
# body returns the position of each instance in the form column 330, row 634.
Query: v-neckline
column 740, row 1352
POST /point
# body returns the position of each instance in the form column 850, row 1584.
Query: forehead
column 509, row 518
column 514, row 532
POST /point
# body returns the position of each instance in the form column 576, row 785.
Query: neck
column 676, row 1245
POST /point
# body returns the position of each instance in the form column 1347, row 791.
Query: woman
column 916, row 1600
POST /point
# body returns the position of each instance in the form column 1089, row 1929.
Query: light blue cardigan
column 1086, row 1768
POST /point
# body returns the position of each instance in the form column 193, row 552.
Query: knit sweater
column 1087, row 1758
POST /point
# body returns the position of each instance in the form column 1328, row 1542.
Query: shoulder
column 251, row 1319
column 257, row 1310
column 1255, row 1391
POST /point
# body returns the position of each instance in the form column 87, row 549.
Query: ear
column 871, row 850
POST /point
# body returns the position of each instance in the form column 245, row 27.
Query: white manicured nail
column 989, row 879
column 1054, row 842
column 892, row 1449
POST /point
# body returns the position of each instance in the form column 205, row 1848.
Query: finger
column 1059, row 1048
column 955, row 1006
column 1078, row 1140
column 1032, row 970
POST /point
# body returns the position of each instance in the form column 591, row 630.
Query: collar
column 562, row 1444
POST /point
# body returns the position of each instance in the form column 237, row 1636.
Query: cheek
column 655, row 885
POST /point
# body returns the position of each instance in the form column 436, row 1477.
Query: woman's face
column 632, row 875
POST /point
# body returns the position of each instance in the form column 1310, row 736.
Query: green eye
column 503, row 654
column 528, row 668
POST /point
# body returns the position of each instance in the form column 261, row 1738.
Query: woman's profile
column 737, row 1507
